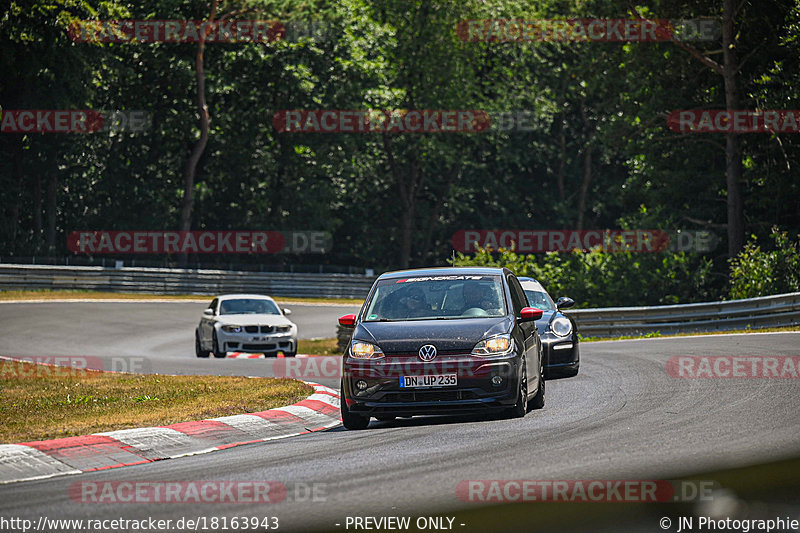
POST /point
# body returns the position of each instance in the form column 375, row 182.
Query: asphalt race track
column 622, row 417
column 161, row 333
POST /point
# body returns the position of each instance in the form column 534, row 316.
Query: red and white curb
column 113, row 449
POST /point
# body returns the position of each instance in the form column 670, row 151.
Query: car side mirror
column 564, row 303
column 287, row 312
column 530, row 313
column 347, row 321
column 208, row 312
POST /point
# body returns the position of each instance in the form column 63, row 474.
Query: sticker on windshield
column 441, row 278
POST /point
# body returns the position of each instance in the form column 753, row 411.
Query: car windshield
column 248, row 306
column 436, row 297
column 540, row 300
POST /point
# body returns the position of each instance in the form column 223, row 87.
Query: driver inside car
column 477, row 296
column 414, row 304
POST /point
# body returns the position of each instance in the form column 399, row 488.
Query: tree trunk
column 406, row 230
column 50, row 231
column 733, row 149
column 17, row 181
column 187, row 204
column 408, row 184
column 562, row 159
column 584, row 191
column 562, row 142
column 37, row 211
column 444, row 193
column 729, row 70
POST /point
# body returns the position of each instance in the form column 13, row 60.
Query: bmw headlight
column 499, row 345
column 365, row 350
column 233, row 329
column 561, row 326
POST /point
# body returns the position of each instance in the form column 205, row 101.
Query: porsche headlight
column 233, row 329
column 561, row 326
column 499, row 345
column 365, row 350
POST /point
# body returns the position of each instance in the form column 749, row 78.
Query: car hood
column 250, row 319
column 455, row 336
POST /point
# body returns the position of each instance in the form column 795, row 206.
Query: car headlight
column 499, row 345
column 561, row 326
column 365, row 350
column 233, row 329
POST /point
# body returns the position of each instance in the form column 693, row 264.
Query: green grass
column 45, row 402
column 318, row 347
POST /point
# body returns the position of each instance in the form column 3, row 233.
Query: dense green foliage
column 597, row 155
column 603, row 279
column 757, row 272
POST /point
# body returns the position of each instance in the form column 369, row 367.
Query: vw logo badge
column 427, row 352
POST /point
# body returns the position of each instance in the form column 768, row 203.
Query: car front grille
column 265, row 347
column 428, row 396
column 266, row 329
column 439, row 353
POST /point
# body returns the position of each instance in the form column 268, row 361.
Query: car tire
column 350, row 420
column 198, row 348
column 538, row 400
column 521, row 407
column 289, row 354
column 218, row 353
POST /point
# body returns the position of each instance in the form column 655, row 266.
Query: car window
column 436, row 297
column 517, row 295
column 540, row 300
column 213, row 304
column 248, row 306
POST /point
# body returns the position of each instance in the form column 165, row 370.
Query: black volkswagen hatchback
column 442, row 341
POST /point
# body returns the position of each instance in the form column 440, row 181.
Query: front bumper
column 560, row 352
column 474, row 392
column 257, row 342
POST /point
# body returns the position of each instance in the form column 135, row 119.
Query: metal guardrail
column 183, row 281
column 767, row 311
column 764, row 312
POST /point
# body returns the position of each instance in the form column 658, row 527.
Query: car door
column 207, row 323
column 528, row 328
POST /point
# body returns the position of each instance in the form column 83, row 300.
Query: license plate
column 420, row 382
